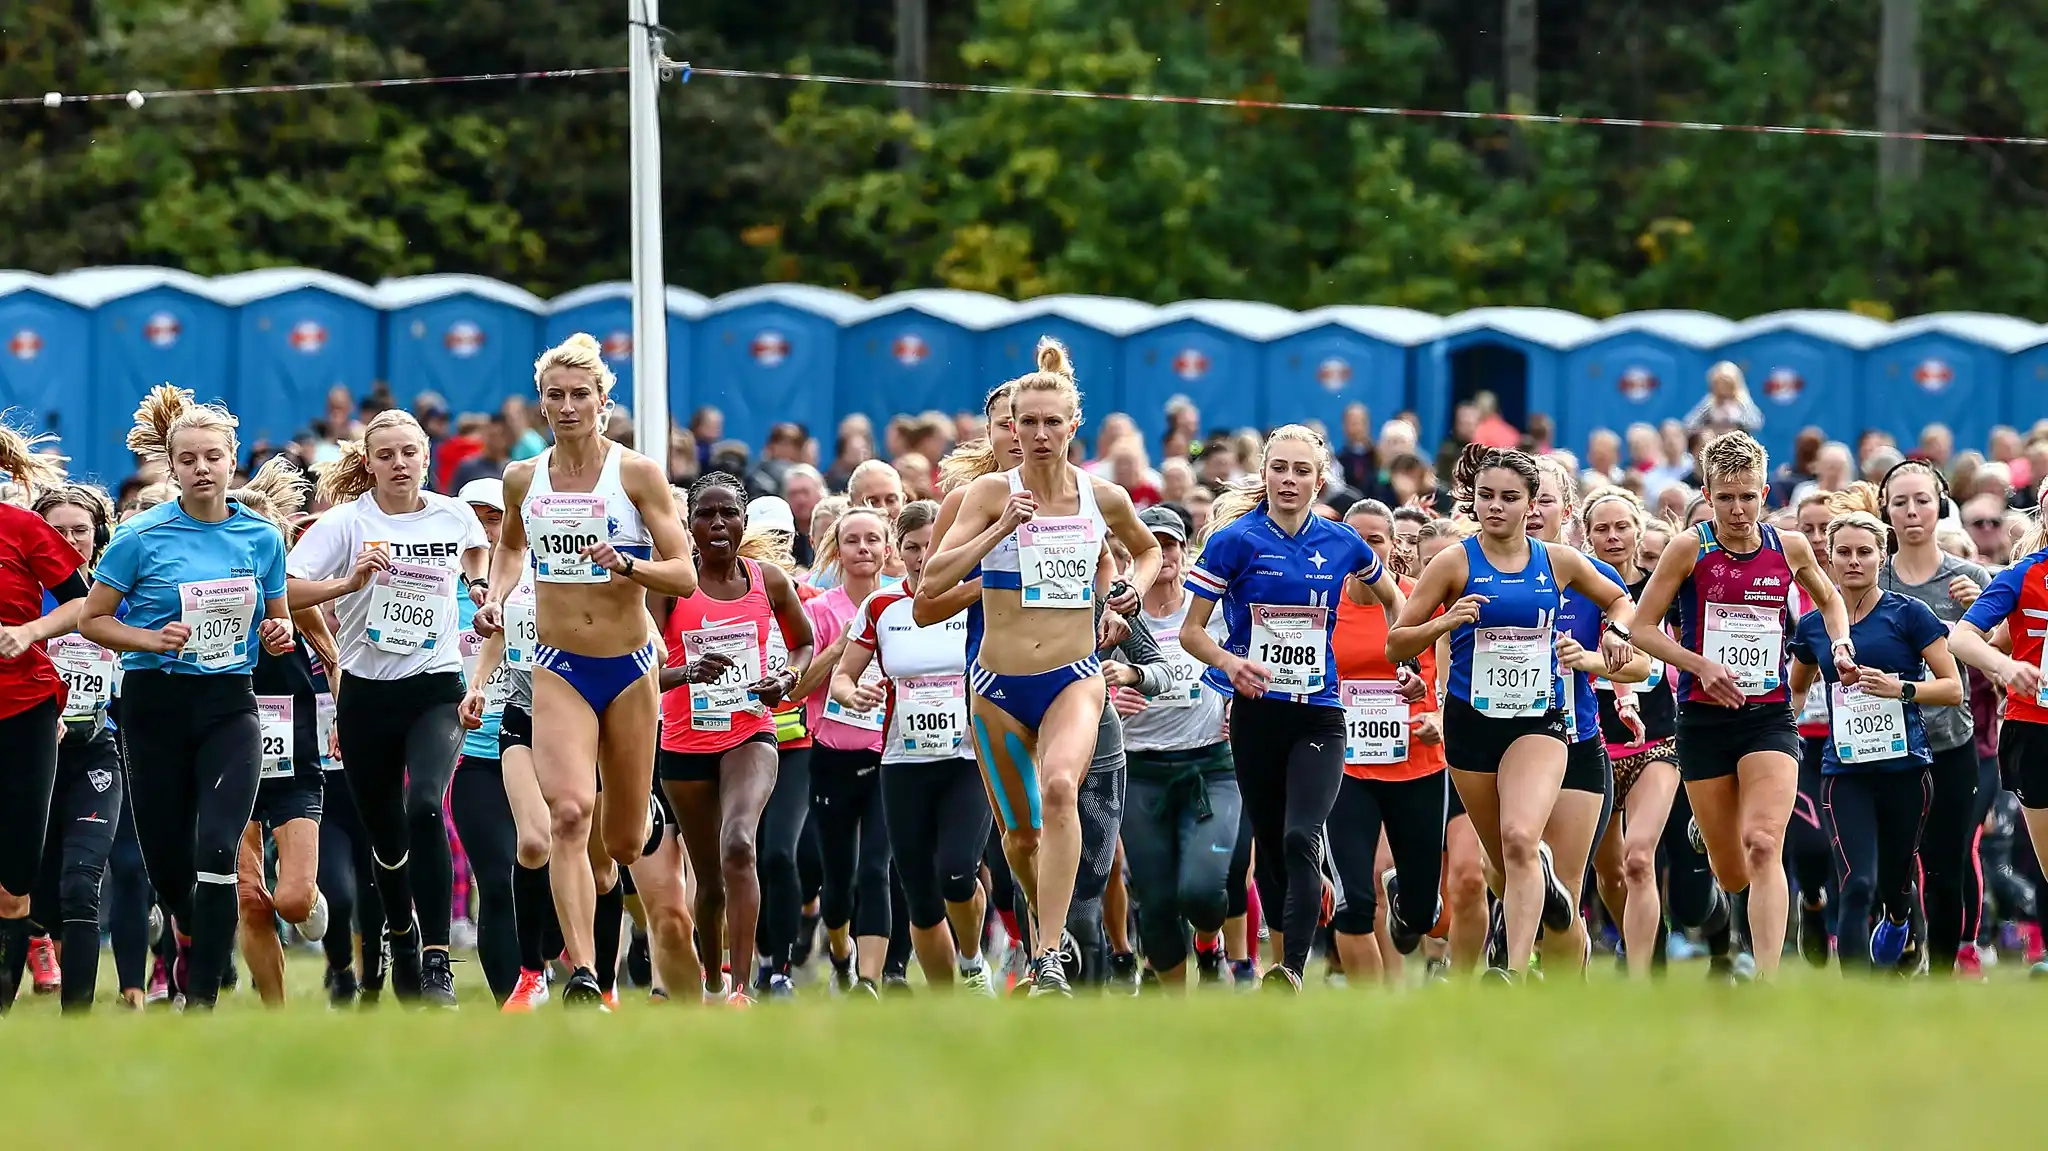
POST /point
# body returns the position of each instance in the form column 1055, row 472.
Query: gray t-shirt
column 1947, row 727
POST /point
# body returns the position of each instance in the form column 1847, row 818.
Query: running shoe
column 864, row 989
column 1500, row 976
column 1888, row 942
column 640, row 961
column 896, row 985
column 181, row 965
column 611, row 1000
column 1813, row 932
column 1049, row 977
column 156, row 924
column 42, row 965
column 530, row 994
column 1558, row 911
column 314, row 929
column 713, row 996
column 1497, row 936
column 1070, row 957
column 437, row 980
column 1243, row 976
column 1436, row 971
column 341, row 989
column 780, row 987
column 979, row 981
column 2039, row 970
column 1209, row 965
column 806, row 939
column 739, row 1000
column 159, row 982
column 405, row 964
column 581, row 992
column 1693, row 836
column 1721, row 970
column 1280, row 978
column 1969, row 964
column 843, row 977
column 657, row 995
column 1123, row 973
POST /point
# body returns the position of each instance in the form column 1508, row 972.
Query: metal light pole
column 650, row 308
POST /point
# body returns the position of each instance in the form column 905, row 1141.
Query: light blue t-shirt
column 154, row 554
column 483, row 742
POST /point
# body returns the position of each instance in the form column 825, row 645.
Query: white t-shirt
column 413, row 630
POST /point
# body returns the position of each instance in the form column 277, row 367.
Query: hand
column 1019, row 509
column 1428, row 729
column 169, row 638
column 1881, row 684
column 1631, row 716
column 1568, row 651
column 772, row 690
column 2021, row 678
column 707, row 669
column 1127, row 603
column 869, row 696
column 276, row 635
column 13, row 641
column 489, row 620
column 1618, row 652
column 1413, row 687
column 334, row 743
column 1127, row 702
column 1463, row 613
column 1719, row 684
column 1113, row 630
column 471, row 713
column 1845, row 666
column 368, row 564
column 1964, row 591
column 604, row 555
column 1120, row 674
column 1248, row 678
column 478, row 593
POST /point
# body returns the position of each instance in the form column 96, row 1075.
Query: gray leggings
column 1179, row 860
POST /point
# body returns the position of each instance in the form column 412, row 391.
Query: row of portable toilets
column 77, row 350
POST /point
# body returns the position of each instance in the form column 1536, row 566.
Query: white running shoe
column 980, row 981
column 314, row 929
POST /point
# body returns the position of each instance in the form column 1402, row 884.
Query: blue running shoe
column 1888, row 942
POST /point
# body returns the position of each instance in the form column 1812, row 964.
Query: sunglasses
column 1986, row 522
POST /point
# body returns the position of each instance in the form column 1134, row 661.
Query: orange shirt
column 1360, row 640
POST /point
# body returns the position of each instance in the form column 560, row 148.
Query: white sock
column 970, row 966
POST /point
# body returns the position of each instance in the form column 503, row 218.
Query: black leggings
column 128, row 901
column 1179, row 854
column 1809, row 858
column 1874, row 820
column 939, row 820
column 775, row 859
column 399, row 742
column 1290, row 761
column 85, row 808
column 483, row 818
column 1948, row 855
column 26, row 779
column 846, row 804
column 353, row 905
column 1412, row 812
column 194, row 749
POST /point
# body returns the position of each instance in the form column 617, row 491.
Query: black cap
column 1162, row 521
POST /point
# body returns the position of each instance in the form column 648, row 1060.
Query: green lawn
column 1812, row 1062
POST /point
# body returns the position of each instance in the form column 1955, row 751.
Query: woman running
column 1738, row 749
column 393, row 555
column 1809, row 854
column 1036, row 534
column 60, row 799
column 1279, row 568
column 1505, row 734
column 601, row 523
column 1394, row 781
column 204, row 583
column 937, row 813
column 718, row 745
column 1876, row 784
column 1914, row 499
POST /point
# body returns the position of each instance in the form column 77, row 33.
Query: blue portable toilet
column 1093, row 329
column 1948, row 368
column 1515, row 353
column 1208, row 351
column 2026, row 387
column 1803, row 367
column 1344, row 355
column 298, row 333
column 46, row 365
column 470, row 338
column 770, row 353
column 150, row 326
column 606, row 312
column 916, row 351
column 1641, row 367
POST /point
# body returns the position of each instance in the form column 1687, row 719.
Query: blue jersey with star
column 1251, row 561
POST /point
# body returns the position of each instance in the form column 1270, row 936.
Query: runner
column 718, row 746
column 1809, row 853
column 937, row 813
column 1738, row 749
column 1505, row 733
column 1278, row 569
column 1037, row 534
column 1876, row 783
column 204, row 583
column 392, row 554
column 875, row 484
column 603, row 530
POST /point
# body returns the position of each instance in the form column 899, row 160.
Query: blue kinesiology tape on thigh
column 988, row 757
column 1028, row 772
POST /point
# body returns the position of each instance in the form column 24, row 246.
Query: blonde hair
column 1598, row 496
column 276, row 492
column 1239, row 498
column 1055, row 374
column 1734, row 454
column 30, row 468
column 580, row 352
column 873, row 467
column 828, row 548
column 769, row 546
column 86, row 498
column 1858, row 519
column 348, row 477
column 168, row 410
column 1861, row 496
column 2036, row 536
column 1567, row 483
column 976, row 458
column 162, row 492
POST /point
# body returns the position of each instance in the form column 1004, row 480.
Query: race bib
column 1293, row 643
column 1748, row 641
column 411, row 608
column 865, row 720
column 220, row 613
column 498, row 688
column 1183, row 671
column 1375, row 721
column 522, row 627
column 88, row 673
column 1511, row 671
column 1056, row 561
column 931, row 716
column 275, row 711
column 1867, row 728
column 558, row 527
column 712, row 704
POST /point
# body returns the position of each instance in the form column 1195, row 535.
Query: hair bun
column 584, row 341
column 1052, row 357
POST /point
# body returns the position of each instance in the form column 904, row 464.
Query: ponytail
column 30, row 468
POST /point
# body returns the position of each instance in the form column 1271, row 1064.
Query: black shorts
column 1712, row 740
column 2023, row 761
column 1587, row 768
column 1476, row 742
column 701, row 766
column 279, row 801
column 515, row 729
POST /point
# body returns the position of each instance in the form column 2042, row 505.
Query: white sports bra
column 628, row 532
column 999, row 569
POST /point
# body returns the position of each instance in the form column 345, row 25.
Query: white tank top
column 1003, row 560
column 628, row 532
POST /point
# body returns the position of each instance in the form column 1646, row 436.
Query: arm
column 1140, row 653
column 819, row 671
column 476, row 566
column 981, row 524
column 1800, row 681
column 1833, row 612
column 1580, row 574
column 797, row 636
column 487, row 659
column 97, row 623
column 672, row 571
column 1672, row 570
column 62, row 620
column 929, row 612
column 1123, row 522
column 1420, row 622
column 510, row 555
column 313, row 626
column 853, row 663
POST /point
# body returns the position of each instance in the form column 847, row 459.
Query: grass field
column 1813, row 1062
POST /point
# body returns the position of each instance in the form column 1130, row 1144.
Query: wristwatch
column 629, row 567
column 1844, row 643
column 1621, row 631
column 1907, row 690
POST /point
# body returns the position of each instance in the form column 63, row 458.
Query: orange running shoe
column 42, row 963
column 739, row 1000
column 611, row 999
column 531, row 993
